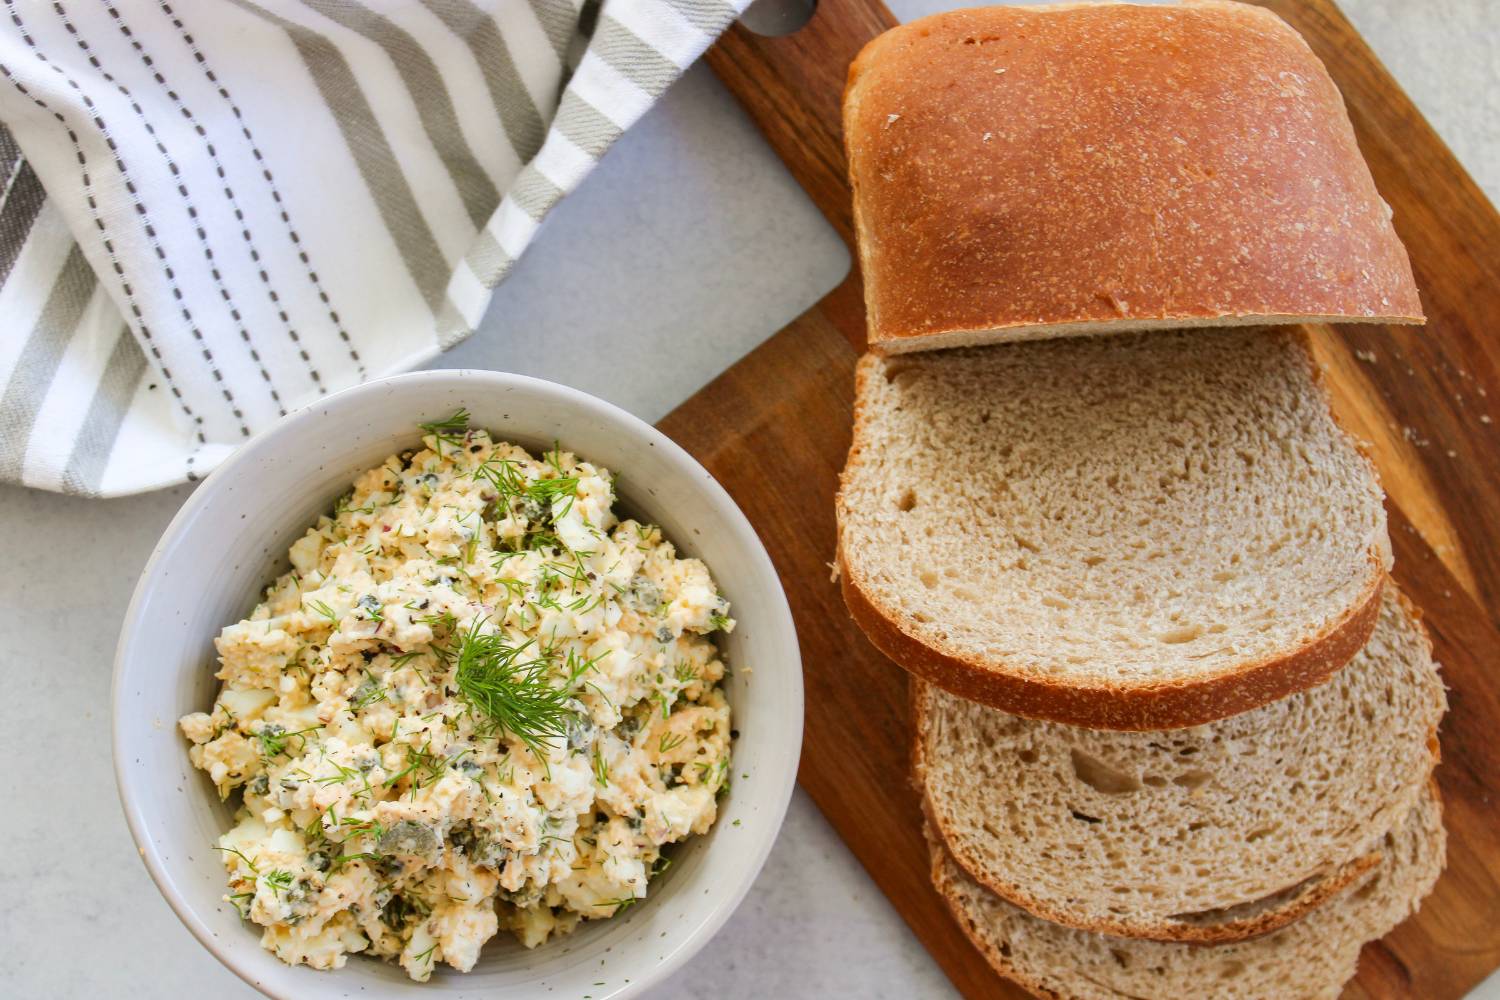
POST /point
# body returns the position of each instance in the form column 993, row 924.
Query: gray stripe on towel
column 38, row 362
column 84, row 473
column 430, row 95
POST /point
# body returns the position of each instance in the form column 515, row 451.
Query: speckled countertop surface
column 737, row 251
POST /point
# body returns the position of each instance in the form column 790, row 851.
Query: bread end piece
column 1075, row 169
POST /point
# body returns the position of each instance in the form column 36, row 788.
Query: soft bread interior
column 1122, row 512
column 1210, row 833
column 1310, row 959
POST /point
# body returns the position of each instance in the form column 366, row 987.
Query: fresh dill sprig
column 601, row 768
column 334, row 864
column 444, row 621
column 503, row 474
column 544, row 581
column 424, row 766
column 362, row 827
column 340, row 774
column 554, row 457
column 241, row 855
column 584, row 604
column 514, row 587
column 274, row 739
column 538, row 540
column 322, row 608
column 547, row 490
column 455, row 423
column 507, row 479
column 368, row 693
column 570, row 566
column 341, row 506
column 449, row 430
column 576, row 666
column 624, row 902
column 511, row 690
column 279, row 880
column 472, row 546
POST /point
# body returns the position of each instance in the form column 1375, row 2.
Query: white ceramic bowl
column 230, row 539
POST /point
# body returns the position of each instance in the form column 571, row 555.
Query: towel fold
column 216, row 211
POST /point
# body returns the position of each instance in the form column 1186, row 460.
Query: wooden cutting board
column 774, row 429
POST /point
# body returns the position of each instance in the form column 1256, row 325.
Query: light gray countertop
column 687, row 248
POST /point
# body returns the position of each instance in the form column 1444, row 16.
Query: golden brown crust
column 938, row 853
column 1317, row 891
column 1104, row 166
column 1313, row 894
column 1171, row 704
column 999, row 959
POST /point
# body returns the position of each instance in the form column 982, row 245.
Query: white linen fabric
column 216, row 211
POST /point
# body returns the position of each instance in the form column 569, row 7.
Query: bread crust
column 1318, row 890
column 938, row 854
column 1175, row 703
column 1026, row 172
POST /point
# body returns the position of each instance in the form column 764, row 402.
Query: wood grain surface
column 775, row 428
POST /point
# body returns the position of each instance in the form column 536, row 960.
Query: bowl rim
column 734, row 520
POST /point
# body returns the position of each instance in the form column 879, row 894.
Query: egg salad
column 478, row 700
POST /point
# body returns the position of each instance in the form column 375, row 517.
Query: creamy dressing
column 382, row 811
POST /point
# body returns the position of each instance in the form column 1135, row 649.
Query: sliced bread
column 1145, row 531
column 1215, row 833
column 1309, row 960
column 1026, row 172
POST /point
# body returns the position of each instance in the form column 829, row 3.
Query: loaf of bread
column 1028, row 172
column 1309, row 960
column 1145, row 531
column 1215, row 833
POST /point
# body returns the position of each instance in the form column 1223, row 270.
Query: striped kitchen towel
column 215, row 211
